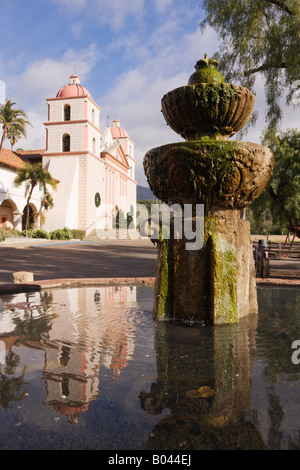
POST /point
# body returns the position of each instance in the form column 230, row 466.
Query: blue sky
column 127, row 53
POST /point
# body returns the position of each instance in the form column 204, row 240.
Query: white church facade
column 94, row 169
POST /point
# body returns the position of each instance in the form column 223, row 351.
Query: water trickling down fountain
column 215, row 284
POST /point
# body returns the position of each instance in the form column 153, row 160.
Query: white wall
column 8, row 190
column 65, row 210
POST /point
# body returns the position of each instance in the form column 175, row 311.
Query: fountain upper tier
column 207, row 107
column 216, row 283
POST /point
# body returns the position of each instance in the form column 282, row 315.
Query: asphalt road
column 79, row 260
column 107, row 259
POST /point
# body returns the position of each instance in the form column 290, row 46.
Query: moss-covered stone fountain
column 215, row 284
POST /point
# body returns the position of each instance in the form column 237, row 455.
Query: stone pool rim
column 15, row 288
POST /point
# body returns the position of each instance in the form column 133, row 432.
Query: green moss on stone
column 224, row 281
column 208, row 162
column 164, row 304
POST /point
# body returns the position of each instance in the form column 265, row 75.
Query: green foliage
column 13, row 123
column 39, row 233
column 147, row 203
column 26, row 233
column 78, row 234
column 280, row 202
column 6, row 232
column 61, row 234
column 58, row 234
column 129, row 220
column 123, row 222
column 261, row 220
column 31, row 176
column 258, row 37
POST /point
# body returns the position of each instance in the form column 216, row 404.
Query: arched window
column 94, row 146
column 66, row 143
column 93, row 116
column 67, row 112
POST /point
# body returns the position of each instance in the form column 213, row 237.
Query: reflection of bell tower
column 78, row 345
column 72, row 379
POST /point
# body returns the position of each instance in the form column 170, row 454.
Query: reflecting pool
column 89, row 368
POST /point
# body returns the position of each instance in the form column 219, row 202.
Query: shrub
column 68, row 233
column 61, row 234
column 7, row 232
column 130, row 220
column 78, row 234
column 29, row 233
column 40, row 233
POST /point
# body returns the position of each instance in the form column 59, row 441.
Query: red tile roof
column 15, row 160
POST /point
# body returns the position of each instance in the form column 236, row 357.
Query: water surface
column 89, row 368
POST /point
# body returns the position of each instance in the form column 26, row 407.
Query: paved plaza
column 50, row 260
column 76, row 259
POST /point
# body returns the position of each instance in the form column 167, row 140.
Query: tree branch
column 281, row 5
column 264, row 67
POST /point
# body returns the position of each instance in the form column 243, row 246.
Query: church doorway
column 8, row 210
column 32, row 213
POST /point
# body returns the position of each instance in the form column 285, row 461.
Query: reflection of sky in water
column 93, row 357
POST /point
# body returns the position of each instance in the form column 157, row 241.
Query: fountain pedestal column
column 212, row 285
column 215, row 283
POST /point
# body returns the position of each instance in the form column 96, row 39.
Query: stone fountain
column 215, row 284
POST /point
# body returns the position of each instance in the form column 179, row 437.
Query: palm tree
column 13, row 121
column 32, row 175
column 14, row 133
column 46, row 204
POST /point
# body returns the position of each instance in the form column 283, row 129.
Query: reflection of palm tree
column 11, row 388
column 30, row 327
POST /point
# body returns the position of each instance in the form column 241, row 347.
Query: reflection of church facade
column 93, row 168
column 90, row 332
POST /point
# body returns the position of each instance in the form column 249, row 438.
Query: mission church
column 94, row 169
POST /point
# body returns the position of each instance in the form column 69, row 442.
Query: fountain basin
column 207, row 110
column 227, row 174
column 61, row 390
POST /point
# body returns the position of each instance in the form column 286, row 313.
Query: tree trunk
column 27, row 215
column 2, row 138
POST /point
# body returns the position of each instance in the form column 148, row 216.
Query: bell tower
column 73, row 121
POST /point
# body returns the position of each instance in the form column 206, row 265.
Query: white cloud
column 162, row 5
column 136, row 95
column 114, row 13
column 71, row 5
column 42, row 77
column 76, row 29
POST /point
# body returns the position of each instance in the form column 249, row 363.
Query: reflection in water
column 215, row 360
column 127, row 382
column 79, row 331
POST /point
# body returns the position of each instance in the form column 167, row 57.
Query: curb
column 278, row 282
column 12, row 288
